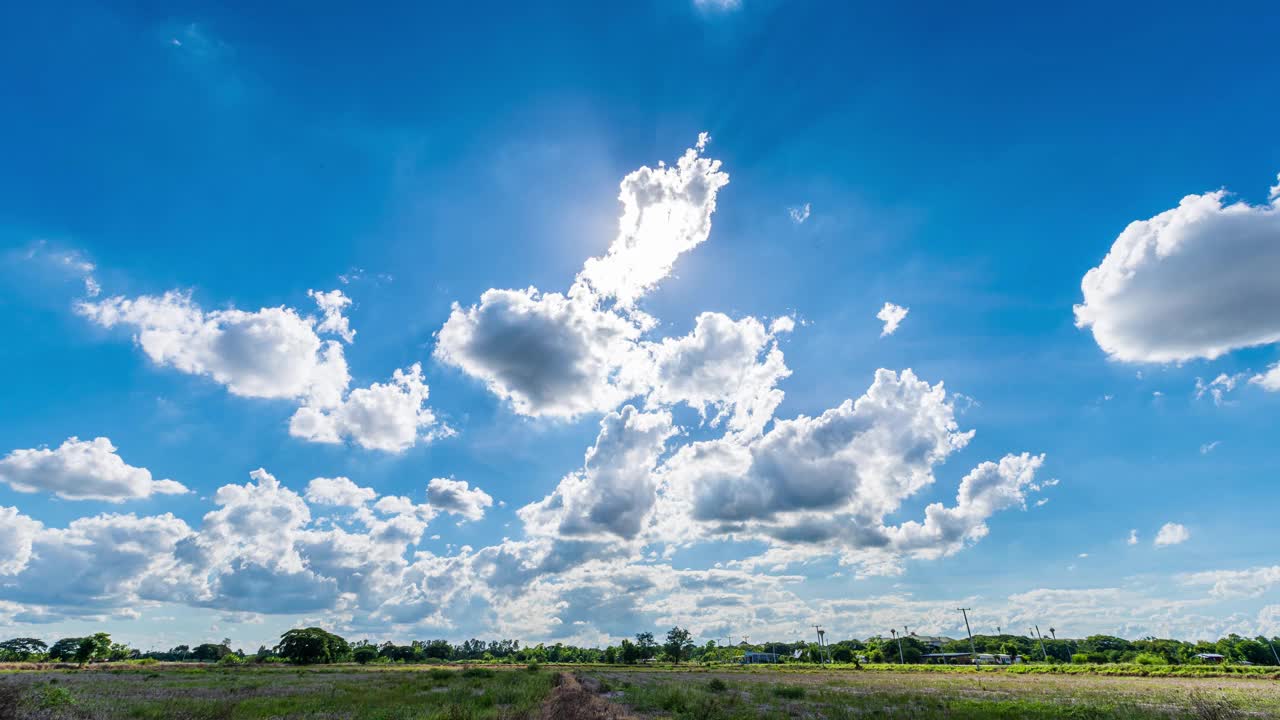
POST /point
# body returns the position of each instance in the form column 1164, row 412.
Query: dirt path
column 572, row 701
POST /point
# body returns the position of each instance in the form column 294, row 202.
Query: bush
column 230, row 660
column 789, row 692
column 1147, row 658
column 477, row 673
column 533, row 667
column 440, row 674
column 717, row 685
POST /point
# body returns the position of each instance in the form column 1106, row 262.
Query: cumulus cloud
column 383, row 416
column 1196, row 281
column 615, row 489
column 799, row 213
column 17, row 531
column 339, row 491
column 279, row 353
column 666, row 211
column 270, row 353
column 1133, row 537
column 1253, row 582
column 562, row 355
column 731, row 367
column 459, row 498
column 1172, row 534
column 892, row 316
column 547, row 354
column 82, row 470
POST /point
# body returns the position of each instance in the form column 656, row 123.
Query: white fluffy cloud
column 1196, row 281
column 383, row 416
column 457, row 497
column 547, row 354
column 553, row 354
column 892, row 316
column 279, row 353
column 82, row 470
column 339, row 491
column 270, row 353
column 16, row 534
column 615, row 489
column 666, row 211
column 1253, row 582
column 732, row 367
column 1172, row 534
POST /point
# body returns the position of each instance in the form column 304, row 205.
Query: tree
column 94, row 647
column 678, row 645
column 208, row 652
column 628, row 652
column 64, row 649
column 22, row 648
column 364, row 654
column 308, row 646
column 646, row 645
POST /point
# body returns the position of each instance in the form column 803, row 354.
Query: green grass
column 258, row 694
column 843, row 695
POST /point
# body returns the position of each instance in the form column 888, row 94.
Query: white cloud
column 384, row 416
column 457, row 497
column 547, row 354
column 339, row 491
column 892, row 316
column 1218, row 387
column 799, row 214
column 1209, row 447
column 1172, row 534
column 665, row 212
column 1253, row 582
column 333, row 304
column 614, row 491
column 278, row 353
column 731, row 367
column 718, row 5
column 1270, row 380
column 82, row 470
column 270, row 353
column 17, row 531
column 1133, row 537
column 1196, row 281
column 567, row 354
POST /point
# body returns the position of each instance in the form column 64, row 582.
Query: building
column 934, row 641
column 1211, row 658
column 755, row 658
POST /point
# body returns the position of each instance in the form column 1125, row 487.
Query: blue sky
column 177, row 180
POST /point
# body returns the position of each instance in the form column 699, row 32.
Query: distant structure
column 1213, row 658
column 934, row 641
column 757, row 658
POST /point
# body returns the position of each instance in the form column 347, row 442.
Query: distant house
column 952, row 658
column 934, row 641
column 1212, row 658
column 755, row 658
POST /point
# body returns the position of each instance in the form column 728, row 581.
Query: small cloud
column 1172, row 534
column 1218, row 387
column 892, row 316
column 782, row 324
column 1083, row 555
column 719, row 5
column 1157, row 393
column 1042, row 502
column 799, row 214
column 1209, row 447
column 1133, row 537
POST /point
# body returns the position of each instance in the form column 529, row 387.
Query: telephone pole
column 972, row 648
column 1043, row 652
column 901, row 660
column 1273, row 651
column 821, row 642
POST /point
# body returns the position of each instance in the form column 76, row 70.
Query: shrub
column 533, row 667
column 1147, row 658
column 440, row 674
column 789, row 692
column 717, row 685
column 230, row 660
column 477, row 673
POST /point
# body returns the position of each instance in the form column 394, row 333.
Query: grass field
column 191, row 692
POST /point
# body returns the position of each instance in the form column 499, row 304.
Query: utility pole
column 972, row 648
column 821, row 643
column 901, row 660
column 1042, row 650
column 1273, row 651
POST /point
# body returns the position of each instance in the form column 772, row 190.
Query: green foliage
column 678, row 645
column 308, row 646
column 788, row 692
column 364, row 654
column 717, row 685
column 21, row 649
column 94, row 647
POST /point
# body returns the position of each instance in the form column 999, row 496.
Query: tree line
column 318, row 646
